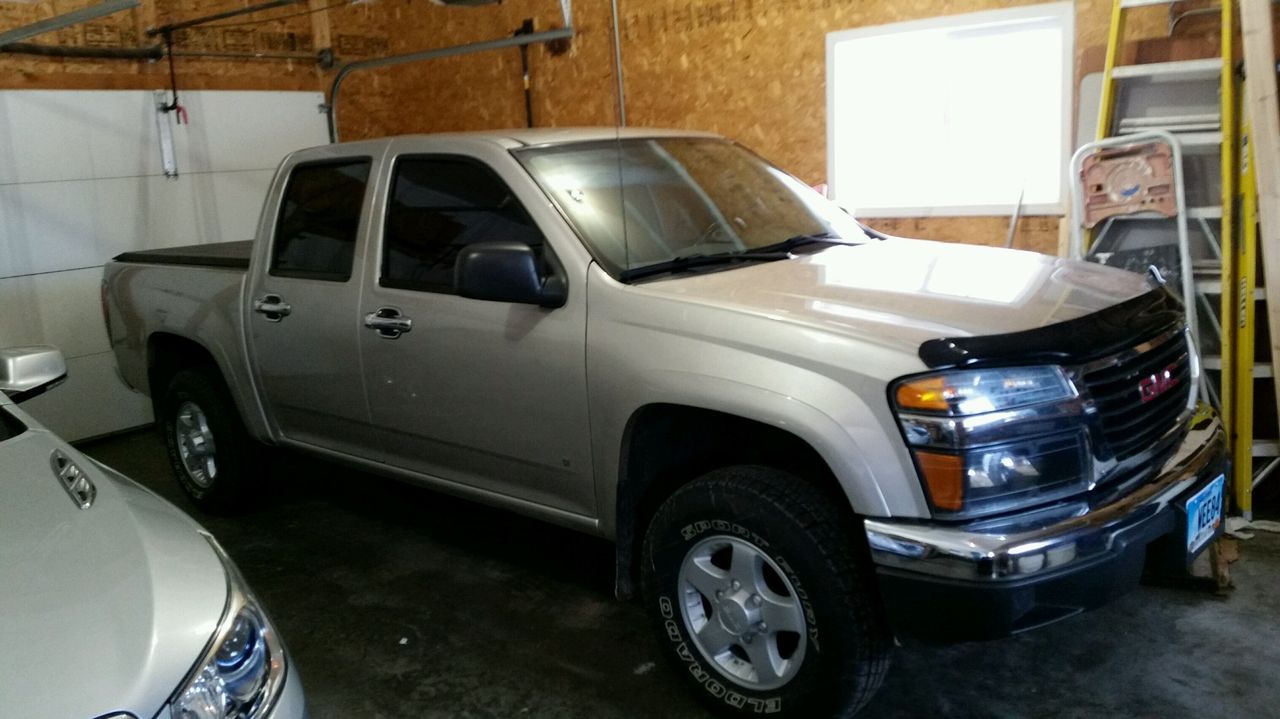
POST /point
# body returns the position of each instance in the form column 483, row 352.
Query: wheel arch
column 657, row 459
column 169, row 353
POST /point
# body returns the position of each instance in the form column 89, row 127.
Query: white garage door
column 81, row 180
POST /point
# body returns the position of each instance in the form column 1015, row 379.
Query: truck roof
column 518, row 137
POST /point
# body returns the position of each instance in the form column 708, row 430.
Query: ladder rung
column 1192, row 140
column 1188, row 138
column 1213, row 212
column 1198, row 127
column 1193, row 213
column 1210, row 69
column 1210, row 122
column 1214, row 362
column 1143, row 3
column 1214, row 287
column 1266, row 448
column 1170, row 120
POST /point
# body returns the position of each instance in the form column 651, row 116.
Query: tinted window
column 10, row 427
column 316, row 235
column 439, row 206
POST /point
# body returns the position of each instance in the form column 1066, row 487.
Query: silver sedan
column 113, row 603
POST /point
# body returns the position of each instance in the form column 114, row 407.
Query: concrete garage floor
column 400, row 602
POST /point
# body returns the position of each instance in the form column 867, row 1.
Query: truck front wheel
column 761, row 596
column 209, row 450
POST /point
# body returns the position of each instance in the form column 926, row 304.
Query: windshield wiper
column 689, row 262
column 765, row 253
column 794, row 242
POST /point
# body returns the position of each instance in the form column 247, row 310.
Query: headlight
column 243, row 670
column 986, row 441
column 977, row 391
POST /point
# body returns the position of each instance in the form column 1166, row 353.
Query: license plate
column 1204, row 514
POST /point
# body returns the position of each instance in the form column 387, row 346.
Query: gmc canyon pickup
column 803, row 436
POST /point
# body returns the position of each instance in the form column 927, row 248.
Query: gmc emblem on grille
column 1157, row 384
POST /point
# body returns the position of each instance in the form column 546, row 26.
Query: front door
column 487, row 394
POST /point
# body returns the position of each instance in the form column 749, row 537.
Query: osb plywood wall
column 753, row 70
column 286, row 31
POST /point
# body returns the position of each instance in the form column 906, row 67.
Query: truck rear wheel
column 211, row 454
column 762, row 597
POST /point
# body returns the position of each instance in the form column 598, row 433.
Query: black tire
column 827, row 571
column 235, row 455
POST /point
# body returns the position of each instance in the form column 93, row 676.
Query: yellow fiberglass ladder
column 1168, row 148
column 1256, row 409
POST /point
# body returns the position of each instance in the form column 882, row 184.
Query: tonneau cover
column 220, row 254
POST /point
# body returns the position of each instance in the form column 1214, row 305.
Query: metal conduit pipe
column 96, row 53
column 75, row 17
column 500, row 44
column 617, row 67
column 309, row 57
column 155, row 52
column 173, row 27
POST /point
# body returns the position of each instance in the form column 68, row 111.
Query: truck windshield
column 649, row 205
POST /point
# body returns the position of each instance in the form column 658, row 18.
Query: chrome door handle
column 272, row 307
column 388, row 322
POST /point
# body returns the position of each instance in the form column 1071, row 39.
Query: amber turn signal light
column 944, row 475
column 929, row 393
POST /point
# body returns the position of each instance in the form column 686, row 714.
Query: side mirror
column 28, row 371
column 506, row 272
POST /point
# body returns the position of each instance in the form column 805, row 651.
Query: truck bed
column 220, row 254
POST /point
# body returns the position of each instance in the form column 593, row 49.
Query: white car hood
column 900, row 292
column 104, row 609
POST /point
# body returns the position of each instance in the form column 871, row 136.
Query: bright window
column 956, row 115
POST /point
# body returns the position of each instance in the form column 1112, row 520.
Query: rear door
column 301, row 319
column 487, row 394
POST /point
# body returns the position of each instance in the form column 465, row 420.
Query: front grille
column 1130, row 424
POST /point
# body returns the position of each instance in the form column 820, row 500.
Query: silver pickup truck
column 803, row 436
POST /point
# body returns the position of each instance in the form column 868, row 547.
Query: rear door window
column 319, row 219
column 438, row 206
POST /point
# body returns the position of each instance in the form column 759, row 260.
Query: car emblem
column 1157, row 384
column 74, row 480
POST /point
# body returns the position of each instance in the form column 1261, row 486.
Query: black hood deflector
column 1082, row 339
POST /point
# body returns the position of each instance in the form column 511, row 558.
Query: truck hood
column 104, row 609
column 901, row 293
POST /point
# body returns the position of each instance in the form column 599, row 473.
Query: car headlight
column 243, row 670
column 991, row 440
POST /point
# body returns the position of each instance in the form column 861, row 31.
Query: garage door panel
column 92, row 402
column 52, row 135
column 59, row 308
column 81, row 181
column 47, row 227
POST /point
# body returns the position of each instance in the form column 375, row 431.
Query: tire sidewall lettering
column 702, row 526
column 704, row 676
column 715, row 688
column 810, row 617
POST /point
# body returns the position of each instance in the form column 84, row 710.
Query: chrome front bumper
column 1048, row 542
